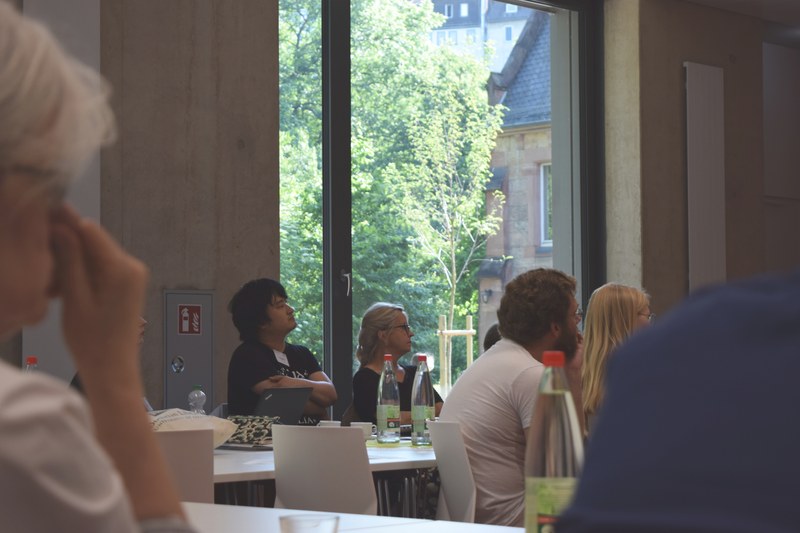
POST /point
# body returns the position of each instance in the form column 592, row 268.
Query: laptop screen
column 287, row 404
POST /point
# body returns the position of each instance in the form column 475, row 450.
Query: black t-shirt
column 365, row 392
column 253, row 362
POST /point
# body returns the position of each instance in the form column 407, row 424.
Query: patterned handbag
column 253, row 430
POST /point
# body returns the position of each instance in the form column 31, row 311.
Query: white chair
column 457, row 492
column 190, row 456
column 323, row 469
column 220, row 411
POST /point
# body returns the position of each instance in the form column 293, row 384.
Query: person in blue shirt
column 698, row 430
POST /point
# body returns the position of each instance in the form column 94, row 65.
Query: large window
column 438, row 198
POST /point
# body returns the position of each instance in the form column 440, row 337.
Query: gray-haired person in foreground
column 58, row 471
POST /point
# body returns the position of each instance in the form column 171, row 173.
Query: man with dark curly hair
column 493, row 398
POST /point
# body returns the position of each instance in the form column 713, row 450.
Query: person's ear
column 555, row 329
column 382, row 335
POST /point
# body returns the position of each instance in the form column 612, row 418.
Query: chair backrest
column 323, row 469
column 220, row 411
column 190, row 456
column 458, row 486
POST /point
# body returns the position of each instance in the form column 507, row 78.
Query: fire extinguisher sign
column 189, row 319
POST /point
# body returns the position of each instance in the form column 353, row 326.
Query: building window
column 511, row 8
column 546, row 203
column 452, row 37
column 464, row 10
column 472, row 36
column 440, row 38
column 509, row 33
column 448, row 10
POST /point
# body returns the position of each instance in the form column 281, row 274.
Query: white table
column 247, row 465
column 209, row 518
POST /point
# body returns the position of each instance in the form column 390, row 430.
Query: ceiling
column 786, row 12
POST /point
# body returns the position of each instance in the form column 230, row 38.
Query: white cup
column 367, row 427
column 309, row 523
column 329, row 423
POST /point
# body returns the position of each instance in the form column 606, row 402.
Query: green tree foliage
column 422, row 134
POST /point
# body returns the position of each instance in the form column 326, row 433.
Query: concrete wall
column 191, row 187
column 666, row 33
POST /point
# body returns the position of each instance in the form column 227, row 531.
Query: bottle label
column 420, row 415
column 545, row 499
column 389, row 417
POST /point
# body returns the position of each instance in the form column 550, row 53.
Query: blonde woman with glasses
column 384, row 330
column 615, row 311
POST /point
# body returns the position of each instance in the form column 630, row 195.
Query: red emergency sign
column 190, row 319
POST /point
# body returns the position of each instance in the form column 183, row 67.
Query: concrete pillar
column 191, row 187
column 623, row 143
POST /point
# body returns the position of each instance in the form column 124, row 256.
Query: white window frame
column 452, row 37
column 545, row 171
column 463, row 9
column 448, row 10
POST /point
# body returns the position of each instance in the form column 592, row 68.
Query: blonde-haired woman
column 62, row 467
column 615, row 311
column 384, row 330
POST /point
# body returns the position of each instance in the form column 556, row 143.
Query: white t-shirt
column 493, row 400
column 54, row 476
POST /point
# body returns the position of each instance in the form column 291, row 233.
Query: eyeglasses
column 650, row 317
column 55, row 182
column 405, row 327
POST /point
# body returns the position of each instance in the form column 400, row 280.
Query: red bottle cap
column 422, row 357
column 32, row 360
column 553, row 358
column 387, row 357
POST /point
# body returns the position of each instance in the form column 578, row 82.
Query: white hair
column 54, row 111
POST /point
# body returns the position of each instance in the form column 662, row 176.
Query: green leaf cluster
column 422, row 136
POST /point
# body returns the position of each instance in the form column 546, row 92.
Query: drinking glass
column 309, row 523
